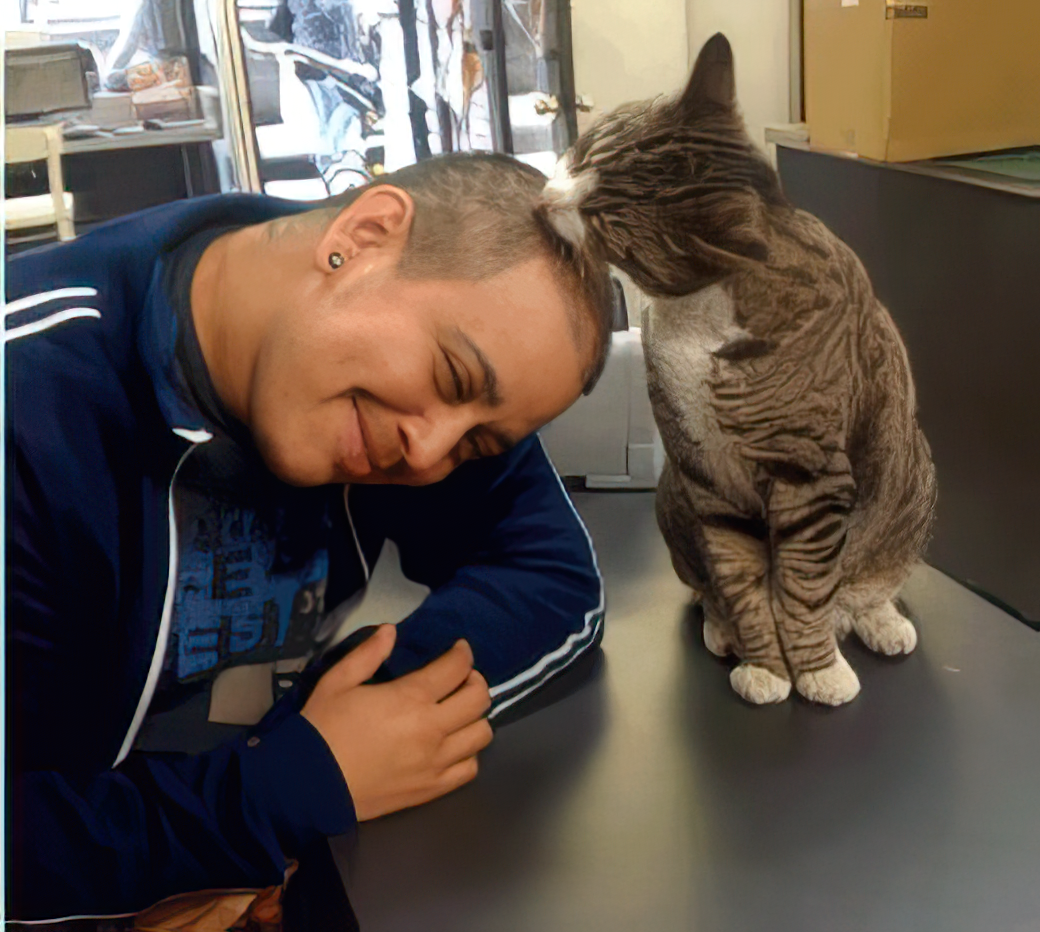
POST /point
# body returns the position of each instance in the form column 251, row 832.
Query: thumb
column 362, row 662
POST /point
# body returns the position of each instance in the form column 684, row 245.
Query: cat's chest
column 680, row 338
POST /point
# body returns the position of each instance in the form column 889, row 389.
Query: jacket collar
column 157, row 326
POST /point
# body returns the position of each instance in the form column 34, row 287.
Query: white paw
column 885, row 631
column 759, row 685
column 833, row 685
column 715, row 638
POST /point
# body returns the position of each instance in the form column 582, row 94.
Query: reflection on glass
column 343, row 90
column 339, row 91
column 532, row 69
column 149, row 36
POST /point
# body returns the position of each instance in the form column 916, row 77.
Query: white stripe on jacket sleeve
column 34, row 300
column 28, row 329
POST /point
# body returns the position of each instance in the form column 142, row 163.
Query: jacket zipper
column 152, row 680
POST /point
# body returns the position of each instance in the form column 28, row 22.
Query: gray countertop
column 969, row 170
column 173, row 135
column 653, row 798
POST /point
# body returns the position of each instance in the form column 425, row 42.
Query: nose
column 429, row 441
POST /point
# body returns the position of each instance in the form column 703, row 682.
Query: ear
column 380, row 218
column 712, row 85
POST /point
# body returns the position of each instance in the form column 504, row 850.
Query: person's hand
column 408, row 741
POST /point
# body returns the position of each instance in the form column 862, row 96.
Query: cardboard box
column 167, row 102
column 900, row 82
column 111, row 110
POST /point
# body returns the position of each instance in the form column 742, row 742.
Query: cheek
column 303, row 380
column 373, row 343
column 393, row 364
column 297, row 443
column 551, row 382
column 291, row 428
column 307, row 364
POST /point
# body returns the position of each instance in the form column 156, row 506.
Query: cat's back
column 811, row 278
column 780, row 361
column 821, row 274
column 888, row 454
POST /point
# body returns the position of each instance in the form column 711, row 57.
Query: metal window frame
column 236, row 102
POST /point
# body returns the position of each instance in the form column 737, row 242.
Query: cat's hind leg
column 885, row 630
column 878, row 623
column 679, row 522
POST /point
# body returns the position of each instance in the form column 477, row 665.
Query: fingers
column 363, row 661
column 467, row 704
column 465, row 743
column 441, row 677
column 458, row 775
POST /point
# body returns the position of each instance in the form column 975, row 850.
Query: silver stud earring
column 336, row 260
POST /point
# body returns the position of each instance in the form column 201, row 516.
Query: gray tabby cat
column 798, row 491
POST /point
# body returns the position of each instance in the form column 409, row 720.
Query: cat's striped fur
column 798, row 491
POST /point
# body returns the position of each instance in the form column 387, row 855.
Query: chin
column 289, row 469
column 300, row 479
column 391, row 478
column 367, row 479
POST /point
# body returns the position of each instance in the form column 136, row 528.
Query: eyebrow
column 491, row 395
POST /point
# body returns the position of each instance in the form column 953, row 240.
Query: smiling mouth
column 356, row 461
column 361, row 431
column 397, row 471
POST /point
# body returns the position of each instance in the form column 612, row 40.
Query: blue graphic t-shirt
column 232, row 605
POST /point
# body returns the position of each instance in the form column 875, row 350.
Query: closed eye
column 456, row 381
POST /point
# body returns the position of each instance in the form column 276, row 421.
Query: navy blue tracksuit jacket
column 96, row 431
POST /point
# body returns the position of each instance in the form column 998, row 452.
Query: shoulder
column 66, row 338
column 70, row 307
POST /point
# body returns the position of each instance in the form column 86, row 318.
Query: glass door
column 127, row 96
column 332, row 93
column 527, row 51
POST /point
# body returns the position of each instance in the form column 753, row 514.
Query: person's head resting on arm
column 402, row 328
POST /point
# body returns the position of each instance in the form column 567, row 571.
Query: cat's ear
column 712, row 85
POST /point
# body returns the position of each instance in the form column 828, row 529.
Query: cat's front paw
column 759, row 685
column 833, row 685
column 885, row 631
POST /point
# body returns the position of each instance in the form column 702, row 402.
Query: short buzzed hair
column 475, row 217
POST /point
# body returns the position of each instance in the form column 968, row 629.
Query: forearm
column 524, row 589
column 518, row 642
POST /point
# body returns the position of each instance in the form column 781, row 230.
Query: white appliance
column 609, row 438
